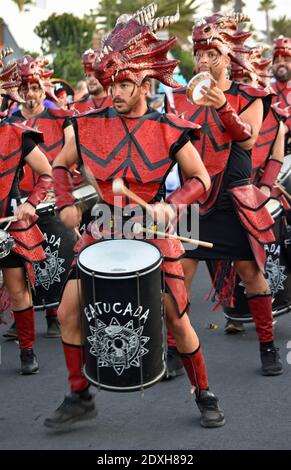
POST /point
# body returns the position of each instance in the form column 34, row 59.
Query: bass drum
column 122, row 315
column 278, row 274
column 51, row 274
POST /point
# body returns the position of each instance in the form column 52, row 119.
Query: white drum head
column 113, row 257
column 273, row 206
column 84, row 192
column 285, row 168
column 3, row 235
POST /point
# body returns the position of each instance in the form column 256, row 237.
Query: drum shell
column 51, row 274
column 278, row 274
column 127, row 313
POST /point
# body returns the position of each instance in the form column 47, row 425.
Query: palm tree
column 22, row 4
column 281, row 26
column 110, row 10
column 266, row 6
column 217, row 4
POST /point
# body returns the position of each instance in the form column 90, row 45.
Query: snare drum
column 278, row 274
column 6, row 243
column 121, row 313
column 51, row 274
column 284, row 177
column 87, row 197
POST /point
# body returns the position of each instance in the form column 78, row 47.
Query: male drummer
column 141, row 147
column 18, row 145
column 97, row 98
column 232, row 214
column 56, row 128
column 282, row 86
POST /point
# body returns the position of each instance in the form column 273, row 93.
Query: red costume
column 140, row 150
column 282, row 47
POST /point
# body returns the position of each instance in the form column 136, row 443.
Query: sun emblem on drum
column 275, row 274
column 49, row 271
column 117, row 346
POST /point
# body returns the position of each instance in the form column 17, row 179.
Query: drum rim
column 128, row 275
column 134, row 388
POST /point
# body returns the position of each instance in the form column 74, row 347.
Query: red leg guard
column 196, row 369
column 171, row 340
column 74, row 362
column 52, row 312
column 261, row 309
column 24, row 320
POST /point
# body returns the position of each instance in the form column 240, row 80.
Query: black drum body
column 278, row 274
column 51, row 274
column 121, row 314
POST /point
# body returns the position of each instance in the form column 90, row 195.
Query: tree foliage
column 66, row 37
column 109, row 10
column 281, row 26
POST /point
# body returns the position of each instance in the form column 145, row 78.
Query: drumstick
column 118, row 187
column 283, row 191
column 137, row 228
column 12, row 218
column 88, row 175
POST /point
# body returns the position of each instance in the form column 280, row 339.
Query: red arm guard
column 271, row 171
column 238, row 129
column 43, row 186
column 191, row 190
column 63, row 184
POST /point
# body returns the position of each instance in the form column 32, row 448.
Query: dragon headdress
column 220, row 32
column 282, row 47
column 9, row 77
column 132, row 51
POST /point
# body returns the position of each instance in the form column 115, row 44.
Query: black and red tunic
column 51, row 122
column 227, row 218
column 17, row 141
column 141, row 151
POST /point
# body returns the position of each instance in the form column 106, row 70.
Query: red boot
column 24, row 320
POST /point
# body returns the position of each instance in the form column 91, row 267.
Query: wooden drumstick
column 88, row 175
column 283, row 191
column 118, row 187
column 12, row 218
column 137, row 228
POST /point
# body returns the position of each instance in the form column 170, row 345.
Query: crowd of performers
column 229, row 151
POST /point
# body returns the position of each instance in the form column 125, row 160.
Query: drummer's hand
column 25, row 211
column 214, row 97
column 50, row 197
column 266, row 190
column 163, row 213
column 71, row 216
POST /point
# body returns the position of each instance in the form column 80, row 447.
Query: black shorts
column 229, row 238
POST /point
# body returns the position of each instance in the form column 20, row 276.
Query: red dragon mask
column 9, row 78
column 282, row 47
column 220, row 32
column 132, row 51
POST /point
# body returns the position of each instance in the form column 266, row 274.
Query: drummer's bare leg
column 79, row 405
column 260, row 306
column 174, row 366
column 193, row 360
column 21, row 302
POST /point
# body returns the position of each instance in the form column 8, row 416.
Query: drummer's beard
column 283, row 73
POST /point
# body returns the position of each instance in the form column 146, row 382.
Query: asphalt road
column 257, row 408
